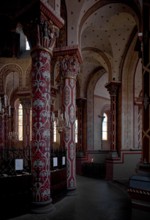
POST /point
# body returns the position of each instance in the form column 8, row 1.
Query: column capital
column 41, row 26
column 42, row 35
column 112, row 87
column 69, row 67
column 69, row 61
column 68, row 51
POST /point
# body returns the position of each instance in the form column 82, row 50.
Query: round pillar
column 41, row 130
column 112, row 87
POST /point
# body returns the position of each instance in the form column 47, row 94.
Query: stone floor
column 94, row 199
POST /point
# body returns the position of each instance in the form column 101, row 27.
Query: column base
column 71, row 189
column 71, row 192
column 110, row 162
column 42, row 207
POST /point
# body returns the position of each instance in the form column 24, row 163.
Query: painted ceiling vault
column 103, row 30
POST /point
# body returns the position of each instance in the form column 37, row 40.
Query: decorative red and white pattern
column 70, row 68
column 41, row 125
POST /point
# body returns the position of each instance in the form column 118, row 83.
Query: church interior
column 74, row 100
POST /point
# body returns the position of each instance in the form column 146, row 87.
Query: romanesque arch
column 90, row 107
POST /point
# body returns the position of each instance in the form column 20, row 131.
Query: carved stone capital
column 41, row 26
column 69, row 61
column 69, row 67
column 112, row 87
column 42, row 34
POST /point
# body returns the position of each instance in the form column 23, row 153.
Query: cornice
column 51, row 14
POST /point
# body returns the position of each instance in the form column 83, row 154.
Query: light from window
column 20, row 122
column 105, row 127
column 27, row 45
column 54, row 131
column 76, row 131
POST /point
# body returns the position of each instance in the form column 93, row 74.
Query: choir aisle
column 94, row 199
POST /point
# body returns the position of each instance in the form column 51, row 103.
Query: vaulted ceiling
column 103, row 29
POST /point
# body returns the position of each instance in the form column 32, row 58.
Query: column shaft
column 113, row 90
column 41, row 126
column 69, row 68
column 81, row 145
column 69, row 59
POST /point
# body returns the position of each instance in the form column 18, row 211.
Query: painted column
column 69, row 72
column 81, row 145
column 41, row 101
column 2, row 137
column 140, row 195
column 145, row 42
column 112, row 87
column 41, row 127
column 81, row 116
column 41, row 32
column 69, row 68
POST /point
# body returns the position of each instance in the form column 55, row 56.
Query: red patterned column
column 81, row 145
column 138, row 189
column 41, row 126
column 42, row 32
column 146, row 86
column 112, row 87
column 81, row 116
column 2, row 135
column 146, row 121
column 69, row 69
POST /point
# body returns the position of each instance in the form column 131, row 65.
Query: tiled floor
column 93, row 200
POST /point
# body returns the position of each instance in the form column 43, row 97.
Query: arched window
column 20, row 122
column 54, row 131
column 27, row 45
column 105, row 127
column 76, row 131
